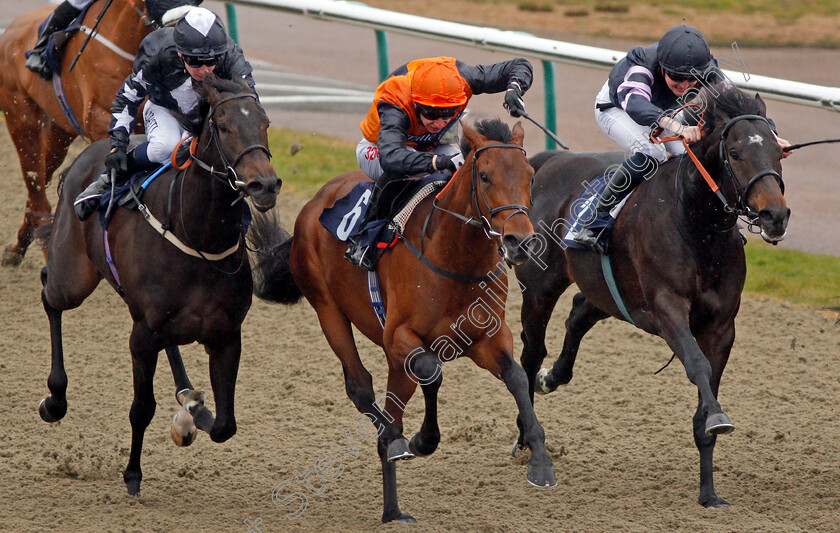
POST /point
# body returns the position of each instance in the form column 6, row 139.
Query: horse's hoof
column 541, row 386
column 401, row 518
column 413, row 446
column 399, row 449
column 719, row 424
column 133, row 486
column 713, row 502
column 182, row 430
column 11, row 258
column 541, row 476
column 47, row 416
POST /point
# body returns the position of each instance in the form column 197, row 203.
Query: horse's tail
column 272, row 272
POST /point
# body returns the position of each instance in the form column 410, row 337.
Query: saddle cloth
column 342, row 220
column 583, row 213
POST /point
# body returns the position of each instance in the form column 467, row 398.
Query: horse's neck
column 702, row 214
column 463, row 247
column 203, row 202
column 127, row 30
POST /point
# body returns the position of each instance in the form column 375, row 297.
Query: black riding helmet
column 684, row 51
column 200, row 34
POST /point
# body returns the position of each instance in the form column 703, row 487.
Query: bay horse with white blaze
column 196, row 288
column 676, row 253
column 40, row 129
column 432, row 317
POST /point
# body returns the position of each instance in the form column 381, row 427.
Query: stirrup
column 359, row 255
column 597, row 239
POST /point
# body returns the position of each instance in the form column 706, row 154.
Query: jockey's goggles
column 201, row 61
column 679, row 78
column 435, row 113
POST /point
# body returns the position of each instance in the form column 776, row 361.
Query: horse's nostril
column 512, row 242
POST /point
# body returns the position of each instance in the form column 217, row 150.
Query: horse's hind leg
column 582, row 317
column 41, row 148
column 74, row 280
column 143, row 364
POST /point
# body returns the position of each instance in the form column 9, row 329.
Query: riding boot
column 626, row 177
column 379, row 207
column 58, row 20
column 87, row 202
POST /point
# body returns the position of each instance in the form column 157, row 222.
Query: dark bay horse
column 677, row 255
column 198, row 293
column 39, row 128
column 431, row 318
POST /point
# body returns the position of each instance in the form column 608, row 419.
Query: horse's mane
column 735, row 102
column 203, row 88
column 492, row 128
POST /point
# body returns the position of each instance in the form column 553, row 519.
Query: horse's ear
column 762, row 107
column 474, row 139
column 518, row 133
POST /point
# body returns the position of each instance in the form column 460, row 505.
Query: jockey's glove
column 117, row 159
column 444, row 162
column 513, row 101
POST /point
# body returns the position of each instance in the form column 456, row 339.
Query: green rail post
column 550, row 109
column 233, row 29
column 382, row 54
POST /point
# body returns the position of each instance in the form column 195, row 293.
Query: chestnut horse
column 431, row 317
column 39, row 128
column 198, row 291
column 676, row 253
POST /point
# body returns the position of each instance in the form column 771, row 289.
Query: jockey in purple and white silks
column 167, row 67
column 642, row 92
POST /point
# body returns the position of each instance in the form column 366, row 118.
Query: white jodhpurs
column 628, row 134
column 163, row 132
column 368, row 155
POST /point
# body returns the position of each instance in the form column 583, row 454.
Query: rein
column 482, row 221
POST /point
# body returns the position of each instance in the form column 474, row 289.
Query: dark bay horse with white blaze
column 40, row 130
column 431, row 318
column 677, row 255
column 198, row 293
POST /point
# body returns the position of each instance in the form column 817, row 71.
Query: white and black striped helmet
column 200, row 34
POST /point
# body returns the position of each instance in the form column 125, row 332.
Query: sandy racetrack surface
column 620, row 437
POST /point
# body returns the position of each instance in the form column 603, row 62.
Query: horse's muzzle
column 517, row 250
column 773, row 222
column 263, row 191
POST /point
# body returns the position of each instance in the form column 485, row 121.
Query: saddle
column 343, row 219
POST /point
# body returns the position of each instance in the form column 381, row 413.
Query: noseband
column 740, row 206
column 229, row 174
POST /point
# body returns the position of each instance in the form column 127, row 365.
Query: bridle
column 229, row 174
column 739, row 206
column 484, row 222
column 477, row 199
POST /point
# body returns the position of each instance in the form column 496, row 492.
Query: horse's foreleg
column 672, row 324
column 581, row 318
column 224, row 367
column 499, row 362
column 716, row 343
column 54, row 407
column 143, row 365
column 183, row 427
column 426, row 369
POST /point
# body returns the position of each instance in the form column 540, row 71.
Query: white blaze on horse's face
column 244, row 111
column 756, row 139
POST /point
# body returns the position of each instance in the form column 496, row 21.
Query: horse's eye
column 734, row 155
column 222, row 128
column 484, row 177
